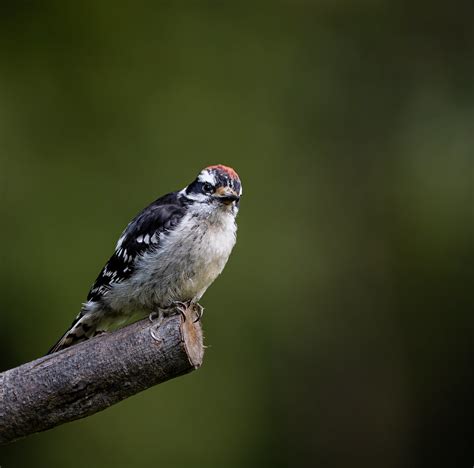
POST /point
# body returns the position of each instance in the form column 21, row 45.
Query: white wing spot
column 120, row 241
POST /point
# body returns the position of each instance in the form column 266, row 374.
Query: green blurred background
column 341, row 331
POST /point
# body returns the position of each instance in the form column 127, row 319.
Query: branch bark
column 93, row 375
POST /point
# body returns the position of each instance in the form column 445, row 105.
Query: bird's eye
column 207, row 188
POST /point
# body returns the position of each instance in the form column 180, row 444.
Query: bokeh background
column 341, row 333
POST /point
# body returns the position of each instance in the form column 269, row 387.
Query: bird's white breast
column 185, row 263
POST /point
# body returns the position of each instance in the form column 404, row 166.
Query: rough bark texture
column 90, row 376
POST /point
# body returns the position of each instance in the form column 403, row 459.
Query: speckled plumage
column 171, row 251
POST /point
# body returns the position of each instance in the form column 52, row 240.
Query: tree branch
column 90, row 376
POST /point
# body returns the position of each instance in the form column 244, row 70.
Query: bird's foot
column 199, row 309
column 156, row 317
column 156, row 314
column 181, row 307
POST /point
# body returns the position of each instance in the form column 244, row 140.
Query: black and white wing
column 142, row 234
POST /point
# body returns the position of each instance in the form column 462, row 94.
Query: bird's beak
column 226, row 195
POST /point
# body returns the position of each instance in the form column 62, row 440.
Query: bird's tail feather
column 83, row 328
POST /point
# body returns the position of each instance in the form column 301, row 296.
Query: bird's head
column 217, row 185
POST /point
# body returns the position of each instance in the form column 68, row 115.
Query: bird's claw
column 152, row 333
column 156, row 314
column 199, row 309
column 180, row 304
column 181, row 307
column 153, row 316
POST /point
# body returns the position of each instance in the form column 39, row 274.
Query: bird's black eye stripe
column 207, row 187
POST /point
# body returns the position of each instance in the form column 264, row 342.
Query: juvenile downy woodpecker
column 170, row 253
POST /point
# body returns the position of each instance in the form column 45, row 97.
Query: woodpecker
column 169, row 254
